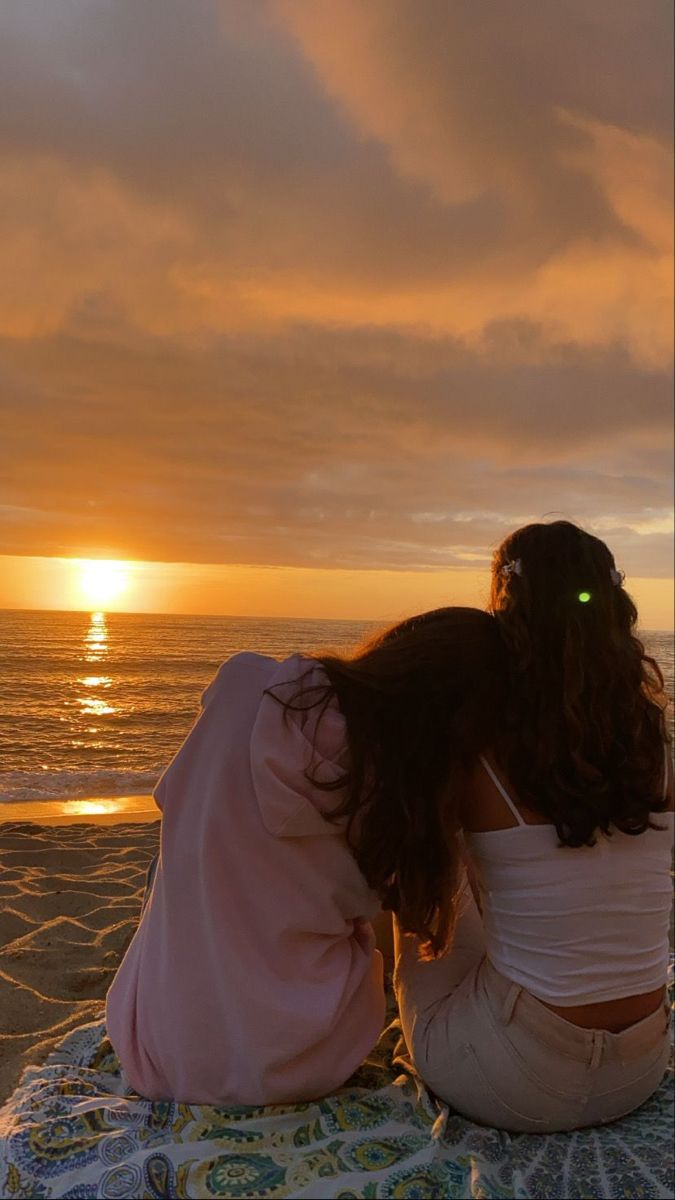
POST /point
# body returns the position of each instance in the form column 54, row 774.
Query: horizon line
column 142, row 612
column 245, row 617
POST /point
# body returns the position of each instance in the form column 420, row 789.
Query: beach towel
column 74, row 1128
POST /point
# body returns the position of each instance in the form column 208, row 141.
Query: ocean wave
column 60, row 785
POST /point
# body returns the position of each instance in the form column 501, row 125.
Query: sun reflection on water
column 96, row 640
column 94, row 707
column 90, row 808
column 96, row 643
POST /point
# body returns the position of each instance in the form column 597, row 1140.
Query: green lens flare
column 584, row 597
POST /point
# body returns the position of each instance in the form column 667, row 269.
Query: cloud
column 320, row 451
column 556, row 115
column 437, row 166
column 466, row 97
column 333, row 284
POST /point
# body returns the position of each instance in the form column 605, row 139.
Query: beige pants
column 499, row 1057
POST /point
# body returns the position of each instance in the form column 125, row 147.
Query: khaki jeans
column 498, row 1056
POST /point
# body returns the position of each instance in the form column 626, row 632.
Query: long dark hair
column 420, row 702
column 583, row 737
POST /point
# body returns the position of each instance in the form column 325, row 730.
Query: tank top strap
column 500, row 787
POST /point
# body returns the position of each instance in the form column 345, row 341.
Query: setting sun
column 102, row 580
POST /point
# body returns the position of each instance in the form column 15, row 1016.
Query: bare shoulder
column 483, row 806
column 492, row 802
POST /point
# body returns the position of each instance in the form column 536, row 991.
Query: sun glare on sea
column 102, row 580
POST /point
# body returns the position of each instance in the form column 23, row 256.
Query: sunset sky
column 306, row 303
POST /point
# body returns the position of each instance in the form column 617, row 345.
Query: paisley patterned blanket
column 74, row 1128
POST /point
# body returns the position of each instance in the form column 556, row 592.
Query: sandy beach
column 70, row 893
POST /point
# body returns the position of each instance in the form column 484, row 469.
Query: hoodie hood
column 284, row 746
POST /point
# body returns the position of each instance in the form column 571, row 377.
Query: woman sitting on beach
column 548, row 1011
column 307, row 792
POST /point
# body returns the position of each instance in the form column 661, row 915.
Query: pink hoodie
column 252, row 977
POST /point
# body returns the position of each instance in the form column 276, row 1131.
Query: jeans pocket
column 643, row 1076
column 506, row 1099
column 641, row 1081
column 542, row 1066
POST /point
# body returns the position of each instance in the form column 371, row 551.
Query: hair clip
column 617, row 577
column 513, row 567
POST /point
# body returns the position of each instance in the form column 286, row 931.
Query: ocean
column 96, row 704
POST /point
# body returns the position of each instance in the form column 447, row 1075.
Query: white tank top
column 575, row 925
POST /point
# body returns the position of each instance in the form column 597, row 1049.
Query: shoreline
column 81, row 810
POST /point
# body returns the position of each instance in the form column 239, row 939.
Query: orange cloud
column 334, row 285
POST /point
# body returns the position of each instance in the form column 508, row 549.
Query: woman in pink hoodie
column 309, row 794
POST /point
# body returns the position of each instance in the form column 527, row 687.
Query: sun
column 102, row 580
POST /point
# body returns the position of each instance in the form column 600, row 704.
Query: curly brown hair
column 421, row 701
column 582, row 742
